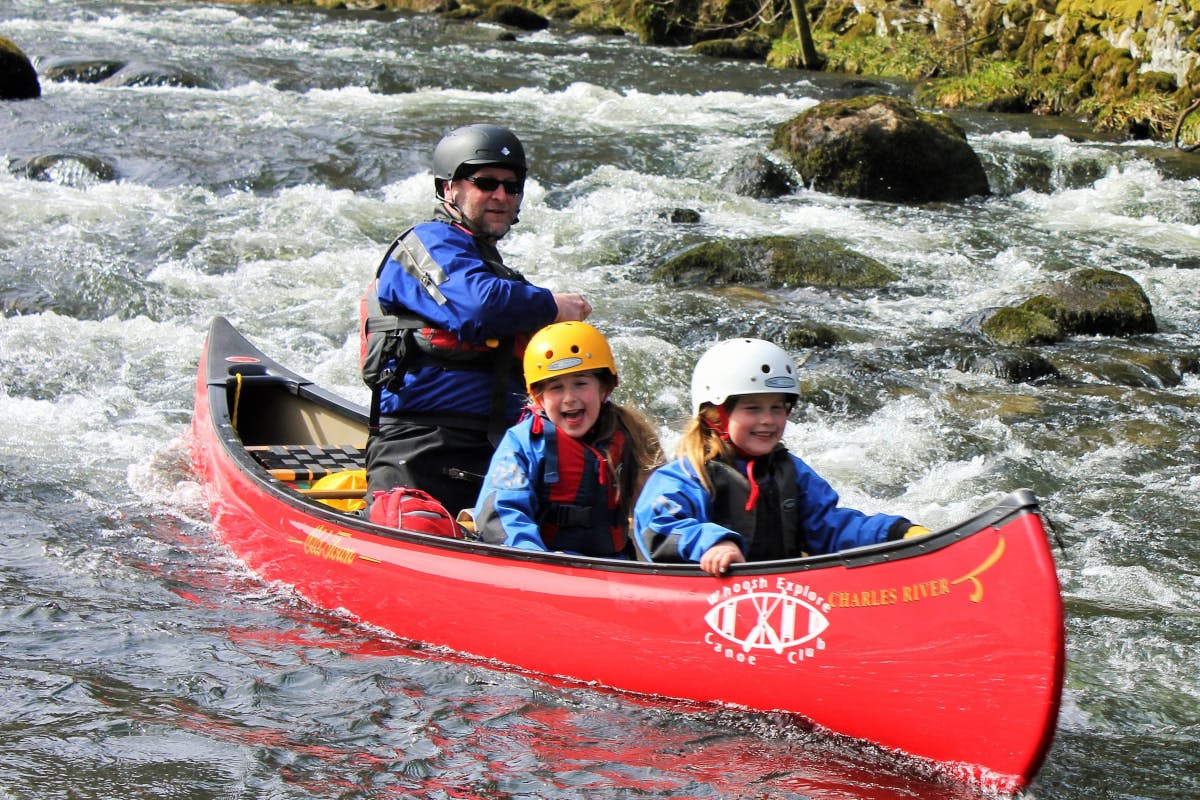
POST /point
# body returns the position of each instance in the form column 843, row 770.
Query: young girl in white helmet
column 564, row 477
column 735, row 493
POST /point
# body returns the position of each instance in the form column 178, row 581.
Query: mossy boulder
column 18, row 78
column 882, row 148
column 1097, row 302
column 747, row 47
column 1019, row 327
column 776, row 262
column 683, row 22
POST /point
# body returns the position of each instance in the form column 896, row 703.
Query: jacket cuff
column 897, row 529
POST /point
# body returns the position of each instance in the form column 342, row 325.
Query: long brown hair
column 641, row 436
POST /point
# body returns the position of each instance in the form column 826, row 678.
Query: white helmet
column 742, row 366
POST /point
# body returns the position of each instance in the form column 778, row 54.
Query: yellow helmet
column 566, row 347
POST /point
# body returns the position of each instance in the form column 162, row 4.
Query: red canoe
column 949, row 647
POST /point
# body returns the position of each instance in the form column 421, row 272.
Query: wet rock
column 680, row 216
column 776, row 262
column 388, row 82
column 882, row 148
column 1095, row 301
column 67, row 169
column 1018, row 327
column 1014, row 366
column 1114, row 365
column 1188, row 365
column 18, row 78
column 747, row 47
column 79, row 70
column 153, row 75
column 594, row 29
column 23, row 301
column 808, row 336
column 758, row 176
column 515, row 16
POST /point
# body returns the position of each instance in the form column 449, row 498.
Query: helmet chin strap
column 721, row 428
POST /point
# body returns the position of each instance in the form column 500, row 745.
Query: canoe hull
column 949, row 648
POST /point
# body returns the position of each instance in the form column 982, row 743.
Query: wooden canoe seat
column 307, row 462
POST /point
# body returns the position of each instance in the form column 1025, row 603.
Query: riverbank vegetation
column 1125, row 66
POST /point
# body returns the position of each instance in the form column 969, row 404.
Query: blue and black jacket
column 460, row 319
column 789, row 510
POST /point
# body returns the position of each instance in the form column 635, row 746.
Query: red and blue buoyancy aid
column 582, row 491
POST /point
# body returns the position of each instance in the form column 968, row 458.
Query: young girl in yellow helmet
column 565, row 476
column 735, row 493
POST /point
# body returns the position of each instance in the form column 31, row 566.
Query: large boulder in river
column 18, row 78
column 775, row 262
column 1097, row 302
column 882, row 148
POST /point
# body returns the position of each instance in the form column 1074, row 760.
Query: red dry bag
column 413, row 510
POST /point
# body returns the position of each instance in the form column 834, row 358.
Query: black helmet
column 476, row 146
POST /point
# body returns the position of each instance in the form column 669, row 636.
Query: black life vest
column 776, row 507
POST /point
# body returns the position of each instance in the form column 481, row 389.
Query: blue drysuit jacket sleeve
column 671, row 519
column 508, row 504
column 829, row 527
column 479, row 305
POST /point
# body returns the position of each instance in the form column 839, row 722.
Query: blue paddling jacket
column 463, row 305
column 788, row 511
column 545, row 490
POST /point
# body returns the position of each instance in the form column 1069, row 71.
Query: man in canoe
column 735, row 493
column 446, row 324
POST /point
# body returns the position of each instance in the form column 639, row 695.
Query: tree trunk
column 808, row 51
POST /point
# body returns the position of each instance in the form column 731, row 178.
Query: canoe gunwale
column 266, row 372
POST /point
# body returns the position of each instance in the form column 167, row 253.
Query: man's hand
column 717, row 558
column 571, row 307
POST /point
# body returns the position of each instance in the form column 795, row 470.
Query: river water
column 139, row 659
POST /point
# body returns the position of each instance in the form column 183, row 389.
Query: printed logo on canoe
column 752, row 615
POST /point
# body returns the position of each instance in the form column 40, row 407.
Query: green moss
column 810, row 336
column 1095, row 301
column 710, row 263
column 775, row 262
column 993, row 85
column 907, row 56
column 822, row 262
column 1021, row 327
column 1142, row 116
column 1068, row 64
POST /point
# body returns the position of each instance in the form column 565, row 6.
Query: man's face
column 492, row 208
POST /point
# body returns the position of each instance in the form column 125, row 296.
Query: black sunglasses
column 486, row 184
